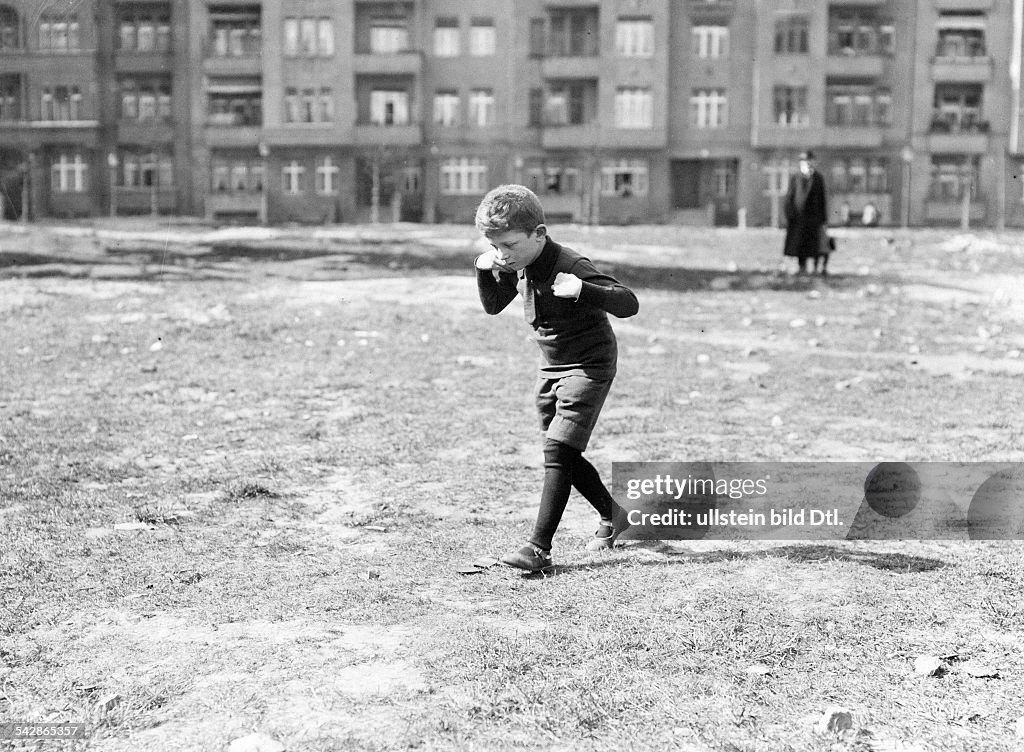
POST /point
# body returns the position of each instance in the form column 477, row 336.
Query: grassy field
column 239, row 468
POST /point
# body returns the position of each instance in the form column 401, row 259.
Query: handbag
column 827, row 243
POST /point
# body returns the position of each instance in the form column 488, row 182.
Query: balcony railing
column 941, row 124
column 234, row 119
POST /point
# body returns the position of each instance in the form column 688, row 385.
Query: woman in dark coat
column 806, row 215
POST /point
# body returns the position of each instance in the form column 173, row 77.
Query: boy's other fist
column 567, row 286
column 488, row 261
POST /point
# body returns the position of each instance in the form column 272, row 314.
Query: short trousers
column 569, row 407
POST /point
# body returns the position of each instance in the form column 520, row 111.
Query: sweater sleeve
column 495, row 294
column 604, row 292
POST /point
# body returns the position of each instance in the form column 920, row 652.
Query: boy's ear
column 541, row 231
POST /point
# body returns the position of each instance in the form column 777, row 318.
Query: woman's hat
column 807, row 154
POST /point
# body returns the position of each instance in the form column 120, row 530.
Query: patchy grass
column 313, row 445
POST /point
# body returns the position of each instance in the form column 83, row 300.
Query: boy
column 566, row 301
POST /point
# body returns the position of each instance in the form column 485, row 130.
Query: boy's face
column 517, row 249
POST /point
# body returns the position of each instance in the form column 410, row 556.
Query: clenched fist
column 567, row 286
column 490, row 261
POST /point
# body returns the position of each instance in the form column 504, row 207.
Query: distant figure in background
column 844, row 214
column 869, row 217
column 806, row 210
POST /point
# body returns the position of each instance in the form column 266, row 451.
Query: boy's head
column 512, row 219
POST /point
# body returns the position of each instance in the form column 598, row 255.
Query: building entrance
column 705, row 189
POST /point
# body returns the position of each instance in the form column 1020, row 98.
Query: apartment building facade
column 615, row 111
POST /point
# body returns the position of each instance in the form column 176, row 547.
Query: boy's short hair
column 509, row 208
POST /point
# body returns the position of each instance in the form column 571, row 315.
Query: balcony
column 144, row 200
column 249, row 65
column 143, row 62
column 854, row 66
column 962, row 69
column 634, row 138
column 571, row 66
column 960, row 5
column 145, row 131
column 703, row 8
column 218, row 135
column 77, row 132
column 787, row 137
column 370, row 134
column 404, row 63
column 840, row 136
column 234, row 204
column 582, row 136
column 969, row 137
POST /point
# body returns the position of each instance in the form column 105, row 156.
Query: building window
column 291, row 37
column 463, row 176
column 293, row 178
column 325, row 105
column 291, row 105
column 535, row 117
column 961, row 36
column 566, row 105
column 573, row 32
column 791, row 35
column 554, row 180
column 237, row 175
column 309, row 105
column 776, row 177
column 143, row 99
column 410, row 178
column 69, row 174
column 958, row 109
column 57, row 33
column 389, row 107
column 951, row 174
column 147, row 104
column 634, row 108
column 624, row 177
column 791, row 107
column 725, row 181
column 859, row 175
column 325, row 37
column 61, row 103
column 146, row 170
column 710, row 42
column 235, row 102
column 859, row 32
column 308, row 37
column 446, row 108
column 143, row 31
column 10, row 25
column 235, row 31
column 10, row 97
column 446, row 37
column 634, row 37
column 857, row 106
column 481, row 107
column 388, row 37
column 308, row 109
column 709, row 108
column 482, row 38
column 327, row 177
column 146, row 36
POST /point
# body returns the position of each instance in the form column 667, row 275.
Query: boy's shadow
column 798, row 553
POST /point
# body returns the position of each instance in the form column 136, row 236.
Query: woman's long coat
column 806, row 211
